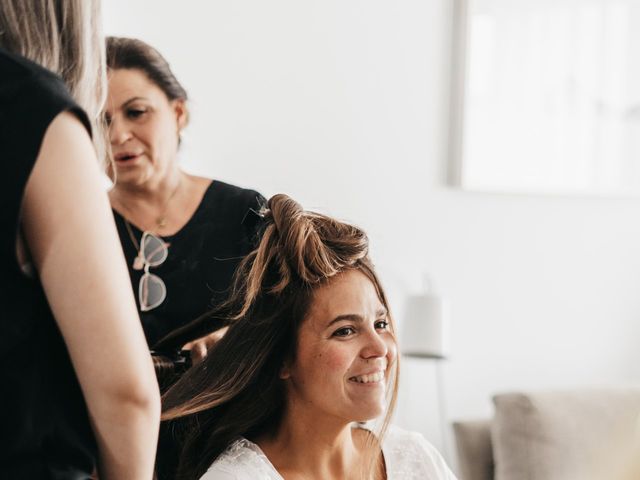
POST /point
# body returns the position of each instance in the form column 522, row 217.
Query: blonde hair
column 65, row 37
column 237, row 390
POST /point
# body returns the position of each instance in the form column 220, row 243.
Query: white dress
column 407, row 456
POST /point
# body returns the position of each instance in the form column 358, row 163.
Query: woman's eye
column 344, row 332
column 135, row 113
column 382, row 324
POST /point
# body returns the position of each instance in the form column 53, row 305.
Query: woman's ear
column 285, row 371
column 182, row 113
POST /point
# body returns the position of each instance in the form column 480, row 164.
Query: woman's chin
column 131, row 176
column 367, row 413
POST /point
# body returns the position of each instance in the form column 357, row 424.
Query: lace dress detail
column 242, row 460
column 408, row 456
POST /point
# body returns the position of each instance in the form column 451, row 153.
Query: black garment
column 203, row 257
column 44, row 426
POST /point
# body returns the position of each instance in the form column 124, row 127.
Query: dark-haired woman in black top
column 183, row 235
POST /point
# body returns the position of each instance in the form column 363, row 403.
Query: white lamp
column 425, row 327
column 425, row 335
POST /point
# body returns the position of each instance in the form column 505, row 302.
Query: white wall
column 344, row 105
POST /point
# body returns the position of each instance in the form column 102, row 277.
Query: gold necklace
column 161, row 220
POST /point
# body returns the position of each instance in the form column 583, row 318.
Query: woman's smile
column 345, row 348
column 371, row 379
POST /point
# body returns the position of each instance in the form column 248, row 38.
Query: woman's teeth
column 374, row 377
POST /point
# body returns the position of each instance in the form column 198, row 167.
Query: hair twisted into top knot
column 303, row 247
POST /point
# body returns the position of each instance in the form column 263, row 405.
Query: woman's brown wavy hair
column 236, row 391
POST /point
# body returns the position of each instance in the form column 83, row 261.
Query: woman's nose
column 375, row 345
column 118, row 133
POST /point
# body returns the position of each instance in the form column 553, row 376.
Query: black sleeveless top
column 202, row 259
column 44, row 426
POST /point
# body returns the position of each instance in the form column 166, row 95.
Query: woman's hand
column 200, row 346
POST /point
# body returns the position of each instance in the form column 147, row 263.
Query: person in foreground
column 309, row 354
column 79, row 395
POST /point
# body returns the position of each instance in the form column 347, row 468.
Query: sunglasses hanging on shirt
column 152, row 252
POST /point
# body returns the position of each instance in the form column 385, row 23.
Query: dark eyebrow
column 354, row 317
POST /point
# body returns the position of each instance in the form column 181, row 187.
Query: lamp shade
column 424, row 329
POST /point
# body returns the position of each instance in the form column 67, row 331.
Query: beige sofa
column 559, row 435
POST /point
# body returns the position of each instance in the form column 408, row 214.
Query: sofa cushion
column 561, row 435
column 473, row 443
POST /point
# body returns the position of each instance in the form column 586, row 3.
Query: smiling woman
column 346, row 350
column 310, row 350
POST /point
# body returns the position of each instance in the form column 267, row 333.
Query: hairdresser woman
column 183, row 235
column 78, row 392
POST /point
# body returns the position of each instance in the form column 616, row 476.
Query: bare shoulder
column 66, row 157
column 66, row 138
column 67, row 126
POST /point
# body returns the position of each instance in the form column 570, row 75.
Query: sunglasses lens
column 151, row 292
column 154, row 249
